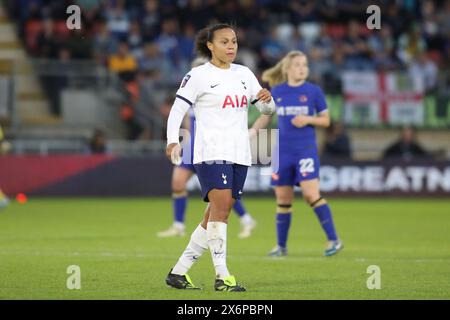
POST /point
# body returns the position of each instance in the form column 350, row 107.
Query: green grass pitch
column 113, row 242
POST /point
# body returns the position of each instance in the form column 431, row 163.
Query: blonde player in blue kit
column 220, row 93
column 301, row 107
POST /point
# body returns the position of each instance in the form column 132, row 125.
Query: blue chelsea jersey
column 306, row 99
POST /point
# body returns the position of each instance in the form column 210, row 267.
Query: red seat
column 336, row 30
column 61, row 29
column 364, row 31
column 435, row 55
column 32, row 30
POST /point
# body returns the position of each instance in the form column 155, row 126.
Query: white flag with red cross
column 382, row 98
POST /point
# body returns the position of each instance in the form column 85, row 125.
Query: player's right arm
column 186, row 95
column 262, row 122
column 176, row 117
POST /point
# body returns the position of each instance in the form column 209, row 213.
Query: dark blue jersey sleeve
column 321, row 103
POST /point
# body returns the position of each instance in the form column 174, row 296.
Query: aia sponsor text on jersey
column 235, row 101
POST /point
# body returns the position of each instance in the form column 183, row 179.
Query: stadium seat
column 336, row 30
column 435, row 55
column 32, row 30
column 310, row 31
column 61, row 29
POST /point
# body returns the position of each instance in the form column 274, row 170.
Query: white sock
column 216, row 233
column 179, row 225
column 195, row 248
column 246, row 219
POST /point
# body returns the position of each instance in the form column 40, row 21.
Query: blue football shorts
column 222, row 175
column 294, row 168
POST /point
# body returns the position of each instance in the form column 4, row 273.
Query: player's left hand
column 300, row 121
column 264, row 95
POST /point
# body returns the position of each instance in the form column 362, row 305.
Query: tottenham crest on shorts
column 185, row 80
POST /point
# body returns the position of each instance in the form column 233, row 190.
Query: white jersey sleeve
column 174, row 121
column 189, row 87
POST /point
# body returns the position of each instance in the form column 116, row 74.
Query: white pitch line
column 296, row 258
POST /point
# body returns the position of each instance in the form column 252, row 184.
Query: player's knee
column 286, row 199
column 317, row 201
column 223, row 206
column 284, row 207
column 178, row 186
column 310, row 197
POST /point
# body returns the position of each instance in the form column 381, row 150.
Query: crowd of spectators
column 151, row 42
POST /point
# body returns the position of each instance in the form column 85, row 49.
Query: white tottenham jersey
column 220, row 99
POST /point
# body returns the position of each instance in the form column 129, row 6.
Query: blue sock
column 323, row 213
column 179, row 208
column 283, row 224
column 239, row 208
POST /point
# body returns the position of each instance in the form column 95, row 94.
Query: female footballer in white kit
column 220, row 93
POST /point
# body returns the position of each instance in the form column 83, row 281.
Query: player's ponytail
column 277, row 74
column 205, row 35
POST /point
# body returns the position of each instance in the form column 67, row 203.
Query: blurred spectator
column 135, row 40
column 324, row 44
column 48, row 43
column 153, row 59
column 406, row 148
column 443, row 89
column 391, row 17
column 90, row 13
column 5, row 146
column 443, row 19
column 54, row 83
column 296, row 42
column 272, row 49
column 246, row 56
column 429, row 24
column 197, row 13
column 356, row 49
column 104, row 44
column 169, row 44
column 117, row 19
column 127, row 112
column 337, row 143
column 186, row 44
column 318, row 67
column 150, row 19
column 424, row 68
column 97, row 144
column 410, row 44
column 146, row 112
column 79, row 44
column 88, row 5
column 303, row 11
column 350, row 9
column 382, row 47
column 332, row 79
column 168, row 40
column 123, row 63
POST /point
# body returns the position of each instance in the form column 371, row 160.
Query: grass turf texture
column 114, row 243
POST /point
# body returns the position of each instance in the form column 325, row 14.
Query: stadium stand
column 128, row 48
